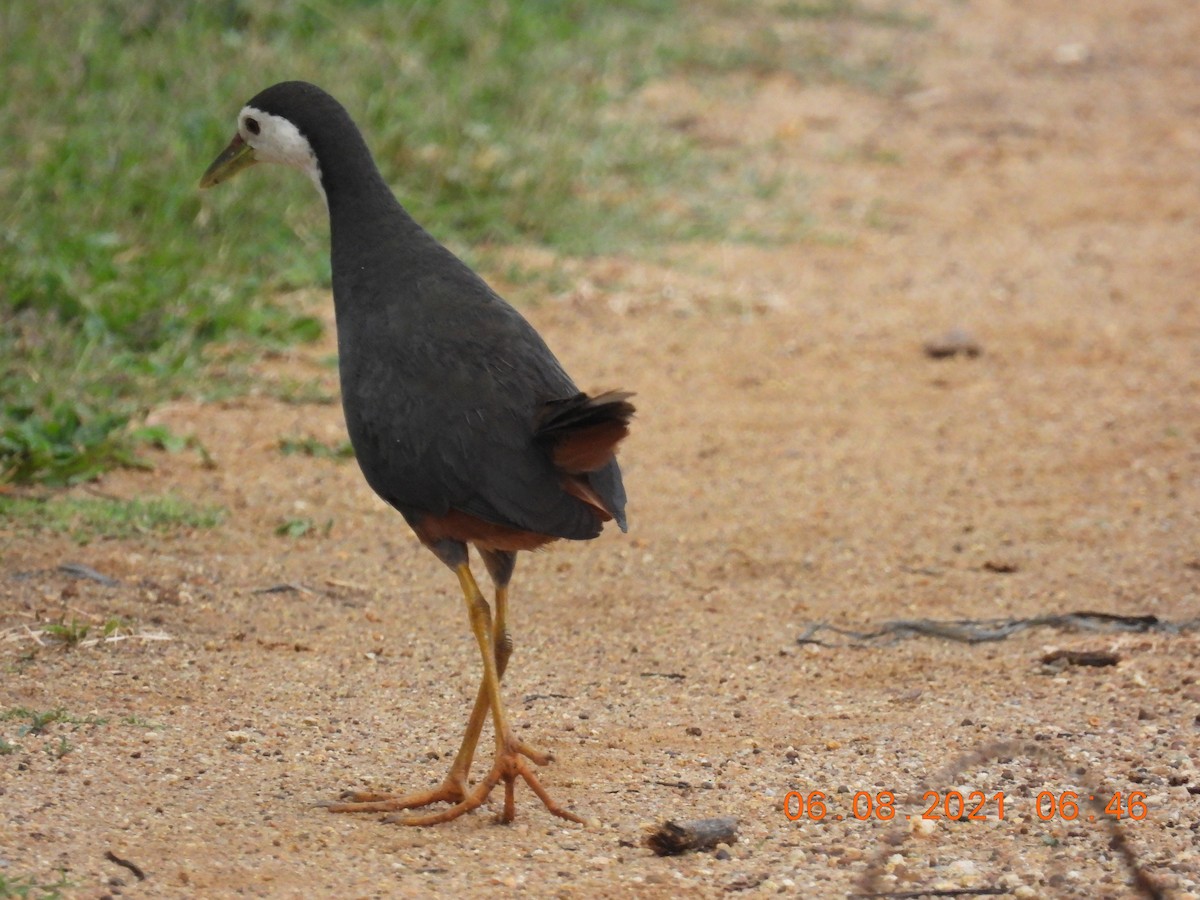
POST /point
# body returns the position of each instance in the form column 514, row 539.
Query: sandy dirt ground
column 798, row 459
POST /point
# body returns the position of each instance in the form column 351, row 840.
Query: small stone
column 1072, row 54
column 923, row 827
column 963, row 868
column 694, row 731
column 955, row 342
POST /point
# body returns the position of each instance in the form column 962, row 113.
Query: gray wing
column 441, row 389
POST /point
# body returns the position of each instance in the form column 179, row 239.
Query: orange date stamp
column 881, row 806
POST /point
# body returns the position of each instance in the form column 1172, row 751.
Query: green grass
column 89, row 518
column 70, row 633
column 73, row 633
column 300, row 527
column 847, row 41
column 493, row 121
column 60, row 442
column 35, row 724
column 892, row 15
column 40, row 721
column 310, row 446
column 302, row 393
column 27, row 888
column 139, row 722
column 62, row 748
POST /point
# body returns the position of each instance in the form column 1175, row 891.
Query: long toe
column 510, row 766
column 542, row 759
column 471, row 801
column 367, row 802
column 520, row 769
column 362, row 797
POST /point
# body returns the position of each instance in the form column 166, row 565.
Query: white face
column 276, row 140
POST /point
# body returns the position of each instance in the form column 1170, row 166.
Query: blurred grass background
column 491, row 120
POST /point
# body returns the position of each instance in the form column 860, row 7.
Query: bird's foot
column 510, row 765
column 452, row 790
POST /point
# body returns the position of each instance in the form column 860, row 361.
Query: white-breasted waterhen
column 460, row 416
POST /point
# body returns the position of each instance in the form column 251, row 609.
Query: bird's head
column 270, row 128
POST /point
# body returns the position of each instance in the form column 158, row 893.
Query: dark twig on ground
column 126, row 864
column 948, row 892
column 79, row 570
column 286, row 588
column 977, row 631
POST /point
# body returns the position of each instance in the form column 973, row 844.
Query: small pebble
column 1073, row 54
column 963, row 868
column 955, row 342
column 922, row 827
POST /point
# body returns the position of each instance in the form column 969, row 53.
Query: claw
column 508, row 767
column 365, row 801
column 511, row 753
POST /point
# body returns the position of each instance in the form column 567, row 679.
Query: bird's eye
column 251, row 125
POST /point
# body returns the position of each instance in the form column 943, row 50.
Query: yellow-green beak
column 237, row 156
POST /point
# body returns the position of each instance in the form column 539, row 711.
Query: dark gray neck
column 365, row 218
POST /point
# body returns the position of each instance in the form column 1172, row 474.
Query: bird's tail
column 581, row 434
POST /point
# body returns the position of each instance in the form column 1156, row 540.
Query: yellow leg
column 453, row 788
column 509, row 764
column 501, row 651
column 495, row 648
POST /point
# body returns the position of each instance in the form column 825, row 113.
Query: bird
column 460, row 416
